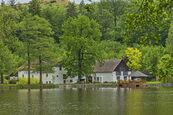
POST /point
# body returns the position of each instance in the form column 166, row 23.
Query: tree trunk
column 79, row 66
column 29, row 63
column 2, row 78
column 40, row 67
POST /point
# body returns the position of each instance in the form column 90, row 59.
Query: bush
column 24, row 81
column 6, row 81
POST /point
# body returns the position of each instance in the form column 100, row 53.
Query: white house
column 111, row 71
column 56, row 77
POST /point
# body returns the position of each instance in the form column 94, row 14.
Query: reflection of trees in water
column 141, row 102
column 41, row 102
column 29, row 102
column 122, row 100
column 38, row 108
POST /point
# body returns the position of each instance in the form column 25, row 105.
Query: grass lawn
column 154, row 82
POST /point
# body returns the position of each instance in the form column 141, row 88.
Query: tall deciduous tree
column 37, row 33
column 80, row 39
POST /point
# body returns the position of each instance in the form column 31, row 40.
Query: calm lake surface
column 100, row 101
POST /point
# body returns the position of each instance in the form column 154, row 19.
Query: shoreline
column 91, row 85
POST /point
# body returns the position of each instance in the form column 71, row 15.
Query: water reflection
column 88, row 101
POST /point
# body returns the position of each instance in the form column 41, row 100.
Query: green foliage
column 80, row 40
column 169, row 41
column 56, row 16
column 71, row 10
column 81, row 34
column 165, row 68
column 8, row 61
column 34, row 7
column 134, row 58
column 24, row 81
column 150, row 58
column 147, row 23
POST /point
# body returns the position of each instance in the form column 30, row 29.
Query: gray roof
column 107, row 66
column 138, row 74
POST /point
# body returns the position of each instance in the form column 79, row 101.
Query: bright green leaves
column 147, row 23
column 134, row 58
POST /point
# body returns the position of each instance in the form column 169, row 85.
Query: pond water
column 100, row 101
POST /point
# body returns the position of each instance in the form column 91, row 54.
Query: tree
column 150, row 58
column 56, row 16
column 80, row 40
column 9, row 19
column 134, row 58
column 34, row 7
column 71, row 10
column 117, row 8
column 169, row 41
column 106, row 20
column 146, row 23
column 165, row 68
column 8, row 61
column 36, row 33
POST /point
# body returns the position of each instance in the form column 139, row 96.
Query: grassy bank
column 33, row 86
column 153, row 82
column 50, row 86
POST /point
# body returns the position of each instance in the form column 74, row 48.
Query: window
column 125, row 78
column 49, row 82
column 97, row 79
column 32, row 76
column 60, row 67
column 57, row 76
column 71, row 81
column 94, row 78
column 47, row 75
column 118, row 78
column 23, row 75
column 46, row 82
column 100, row 79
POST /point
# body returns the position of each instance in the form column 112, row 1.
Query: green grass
column 154, row 82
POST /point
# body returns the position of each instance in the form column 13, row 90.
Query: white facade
column 110, row 77
column 55, row 77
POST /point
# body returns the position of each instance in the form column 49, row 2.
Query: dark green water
column 102, row 101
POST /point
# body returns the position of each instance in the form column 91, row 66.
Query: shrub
column 5, row 81
column 24, row 81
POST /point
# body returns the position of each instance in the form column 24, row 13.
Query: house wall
column 110, row 77
column 104, row 77
column 55, row 77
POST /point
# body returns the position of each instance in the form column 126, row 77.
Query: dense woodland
column 38, row 36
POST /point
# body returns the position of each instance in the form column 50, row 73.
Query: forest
column 38, row 36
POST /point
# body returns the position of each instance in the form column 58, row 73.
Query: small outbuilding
column 137, row 75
